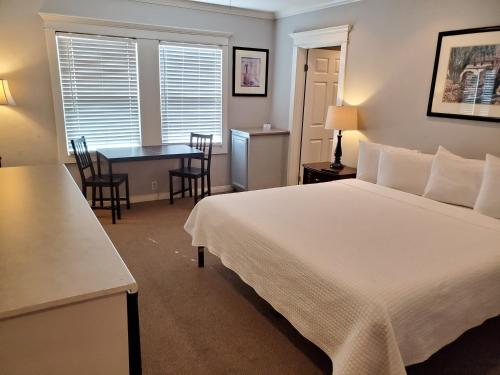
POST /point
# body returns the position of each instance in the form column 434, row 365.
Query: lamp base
column 338, row 153
column 337, row 165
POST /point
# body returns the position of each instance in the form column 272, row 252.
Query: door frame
column 302, row 41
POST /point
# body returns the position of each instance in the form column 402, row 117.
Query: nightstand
column 321, row 172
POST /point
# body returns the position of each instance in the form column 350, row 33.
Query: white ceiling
column 255, row 8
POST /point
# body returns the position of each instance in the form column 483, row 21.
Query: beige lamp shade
column 341, row 118
column 5, row 95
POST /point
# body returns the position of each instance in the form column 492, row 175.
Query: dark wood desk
column 142, row 153
column 123, row 154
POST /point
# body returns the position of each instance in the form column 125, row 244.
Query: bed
column 379, row 279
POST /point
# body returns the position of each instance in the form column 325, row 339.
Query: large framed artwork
column 250, row 67
column 466, row 78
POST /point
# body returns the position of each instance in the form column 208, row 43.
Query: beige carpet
column 207, row 321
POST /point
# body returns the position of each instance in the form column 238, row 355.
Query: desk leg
column 202, row 178
column 101, row 201
column 195, row 191
column 127, row 193
column 112, row 192
column 183, row 186
column 134, row 338
column 118, row 205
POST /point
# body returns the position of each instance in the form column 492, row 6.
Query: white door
column 321, row 91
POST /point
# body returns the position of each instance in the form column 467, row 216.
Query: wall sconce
column 5, row 95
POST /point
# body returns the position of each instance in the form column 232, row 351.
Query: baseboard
column 165, row 195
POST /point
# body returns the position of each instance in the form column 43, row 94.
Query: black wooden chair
column 203, row 143
column 93, row 180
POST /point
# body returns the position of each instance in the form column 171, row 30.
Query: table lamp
column 5, row 95
column 340, row 118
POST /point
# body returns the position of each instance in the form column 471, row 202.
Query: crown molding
column 235, row 11
column 293, row 11
column 61, row 21
column 188, row 4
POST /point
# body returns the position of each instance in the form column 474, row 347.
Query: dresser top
column 53, row 250
column 260, row 131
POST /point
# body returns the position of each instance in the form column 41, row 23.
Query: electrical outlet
column 154, row 185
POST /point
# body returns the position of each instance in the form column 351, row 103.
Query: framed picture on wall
column 250, row 66
column 466, row 78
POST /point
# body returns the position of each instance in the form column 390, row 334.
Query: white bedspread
column 377, row 278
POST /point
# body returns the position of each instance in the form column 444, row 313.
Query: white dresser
column 258, row 158
column 68, row 303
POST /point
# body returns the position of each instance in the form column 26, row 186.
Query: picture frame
column 466, row 76
column 250, row 71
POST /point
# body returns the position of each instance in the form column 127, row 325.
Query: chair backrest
column 203, row 143
column 82, row 156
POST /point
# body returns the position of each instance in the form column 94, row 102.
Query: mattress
column 379, row 279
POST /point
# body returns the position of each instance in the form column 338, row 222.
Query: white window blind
column 99, row 89
column 191, row 92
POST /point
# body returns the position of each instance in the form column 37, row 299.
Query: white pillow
column 488, row 200
column 454, row 179
column 368, row 159
column 404, row 170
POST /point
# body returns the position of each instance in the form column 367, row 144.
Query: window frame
column 97, row 38
column 148, row 40
column 216, row 146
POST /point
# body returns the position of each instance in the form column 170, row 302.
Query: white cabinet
column 68, row 303
column 258, row 158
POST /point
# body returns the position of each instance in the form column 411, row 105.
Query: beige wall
column 27, row 131
column 389, row 69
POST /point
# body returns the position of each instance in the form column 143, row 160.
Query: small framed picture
column 466, row 78
column 250, row 71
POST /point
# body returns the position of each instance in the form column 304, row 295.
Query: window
column 95, row 69
column 99, row 89
column 190, row 92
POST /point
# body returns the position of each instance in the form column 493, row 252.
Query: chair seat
column 103, row 180
column 187, row 172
